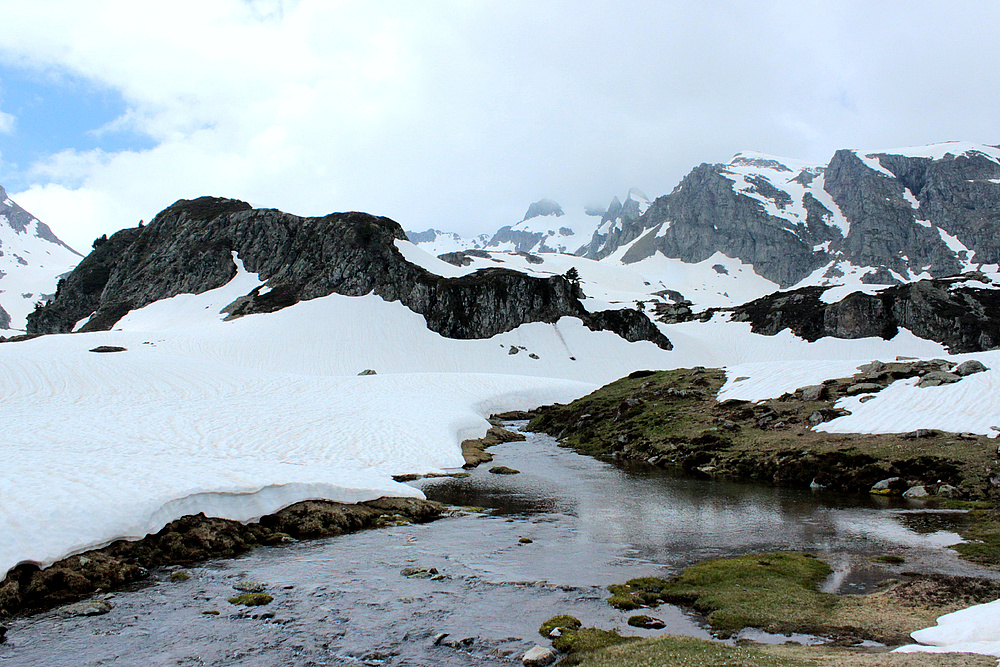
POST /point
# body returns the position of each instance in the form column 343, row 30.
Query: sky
column 458, row 114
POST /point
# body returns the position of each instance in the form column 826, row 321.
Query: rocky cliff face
column 895, row 216
column 188, row 248
column 961, row 312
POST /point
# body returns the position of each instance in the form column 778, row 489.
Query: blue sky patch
column 54, row 113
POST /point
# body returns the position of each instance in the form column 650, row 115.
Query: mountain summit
column 31, row 260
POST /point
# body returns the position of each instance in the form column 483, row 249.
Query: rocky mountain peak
column 32, row 258
column 543, row 207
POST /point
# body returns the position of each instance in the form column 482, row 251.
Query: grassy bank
column 673, row 420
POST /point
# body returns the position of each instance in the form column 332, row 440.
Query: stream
column 344, row 601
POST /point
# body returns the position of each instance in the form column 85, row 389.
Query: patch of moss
column 504, row 470
column 563, row 622
column 981, row 530
column 775, row 591
column 252, row 599
column 639, row 592
column 525, row 540
column 889, row 559
column 179, row 576
column 210, row 612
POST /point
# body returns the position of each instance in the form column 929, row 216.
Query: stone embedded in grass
column 504, row 470
column 646, row 622
column 252, row 599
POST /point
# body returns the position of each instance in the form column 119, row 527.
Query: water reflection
column 344, row 600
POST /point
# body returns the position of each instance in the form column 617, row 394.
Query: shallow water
column 343, row 601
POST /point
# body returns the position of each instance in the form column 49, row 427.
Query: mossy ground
column 690, row 652
column 981, row 530
column 671, row 419
column 779, row 593
column 776, row 591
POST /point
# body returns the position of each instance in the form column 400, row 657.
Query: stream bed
column 345, row 601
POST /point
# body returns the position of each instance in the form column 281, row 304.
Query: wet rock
column 440, row 637
column 916, row 492
column 647, row 622
column 249, row 586
column 3, row 633
column 538, row 656
column 513, row 350
column 368, row 371
column 813, row 392
column 104, row 349
column 86, row 608
column 947, row 491
column 891, row 486
column 969, row 367
column 935, row 378
column 421, row 573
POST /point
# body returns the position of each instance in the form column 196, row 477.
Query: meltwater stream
column 344, row 601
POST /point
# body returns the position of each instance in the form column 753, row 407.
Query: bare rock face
column 188, row 248
column 947, row 310
column 903, row 216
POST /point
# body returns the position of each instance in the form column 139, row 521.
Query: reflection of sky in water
column 602, row 518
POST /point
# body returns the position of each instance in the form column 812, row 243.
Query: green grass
column 775, row 591
column 681, row 651
column 672, row 420
column 981, row 529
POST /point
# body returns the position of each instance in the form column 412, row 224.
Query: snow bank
column 972, row 630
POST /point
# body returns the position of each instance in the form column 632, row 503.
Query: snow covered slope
column 31, row 260
column 232, row 419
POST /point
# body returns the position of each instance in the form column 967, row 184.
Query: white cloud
column 7, row 122
column 457, row 115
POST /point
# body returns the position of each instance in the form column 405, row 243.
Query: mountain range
column 232, row 360
column 875, row 217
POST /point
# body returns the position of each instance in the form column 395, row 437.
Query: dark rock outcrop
column 189, row 248
column 950, row 311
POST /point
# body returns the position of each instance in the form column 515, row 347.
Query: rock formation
column 188, row 248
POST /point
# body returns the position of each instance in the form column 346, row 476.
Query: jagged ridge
column 187, row 248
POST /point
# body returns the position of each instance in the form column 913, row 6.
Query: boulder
column 916, row 492
column 891, row 486
column 968, row 368
column 935, row 378
column 813, row 392
column 872, row 367
column 863, row 388
column 538, row 656
column 86, row 608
